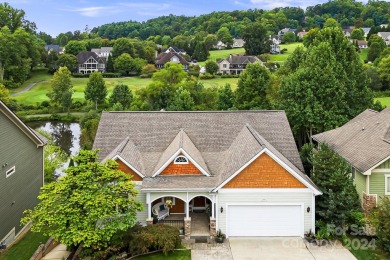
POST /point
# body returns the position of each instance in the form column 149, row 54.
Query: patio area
column 199, row 222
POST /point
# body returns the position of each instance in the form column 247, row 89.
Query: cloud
column 95, row 11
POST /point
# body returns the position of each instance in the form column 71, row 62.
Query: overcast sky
column 54, row 16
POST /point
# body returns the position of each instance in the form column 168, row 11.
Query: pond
column 65, row 135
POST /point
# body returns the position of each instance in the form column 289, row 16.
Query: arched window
column 181, row 160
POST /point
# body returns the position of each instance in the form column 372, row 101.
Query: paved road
column 29, row 86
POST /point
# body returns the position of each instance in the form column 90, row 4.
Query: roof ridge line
column 255, row 135
column 125, row 142
column 181, row 138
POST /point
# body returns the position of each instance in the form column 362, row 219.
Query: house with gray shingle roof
column 385, row 36
column 89, row 61
column 175, row 57
column 242, row 168
column 364, row 142
column 236, row 64
column 21, row 173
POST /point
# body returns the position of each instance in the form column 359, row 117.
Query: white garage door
column 264, row 220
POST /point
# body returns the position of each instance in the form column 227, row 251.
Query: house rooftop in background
column 21, row 172
column 89, row 61
column 175, row 57
column 236, row 64
column 55, row 48
column 102, row 52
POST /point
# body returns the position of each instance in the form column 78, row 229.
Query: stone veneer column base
column 187, row 228
column 149, row 221
column 213, row 228
column 369, row 202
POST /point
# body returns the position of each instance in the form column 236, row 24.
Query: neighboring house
column 238, row 43
column 347, row 32
column 362, row 44
column 103, row 52
column 89, row 62
column 364, row 142
column 165, row 57
column 301, row 35
column 385, row 36
column 366, row 30
column 384, row 25
column 21, row 172
column 176, row 50
column 275, row 48
column 286, row 30
column 56, row 48
column 235, row 64
column 220, row 46
column 240, row 167
column 275, row 39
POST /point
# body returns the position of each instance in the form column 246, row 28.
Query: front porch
column 200, row 223
column 194, row 217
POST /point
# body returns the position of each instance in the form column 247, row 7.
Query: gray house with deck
column 21, row 172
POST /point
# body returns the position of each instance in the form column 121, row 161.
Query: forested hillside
column 346, row 12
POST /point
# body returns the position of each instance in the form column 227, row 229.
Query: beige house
column 235, row 64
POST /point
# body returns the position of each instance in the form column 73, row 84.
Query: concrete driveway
column 284, row 248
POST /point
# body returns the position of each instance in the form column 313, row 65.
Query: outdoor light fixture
column 308, row 209
column 221, row 209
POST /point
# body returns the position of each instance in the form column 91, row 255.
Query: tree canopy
column 88, row 205
column 96, row 90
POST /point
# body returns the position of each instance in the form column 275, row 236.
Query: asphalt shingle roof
column 220, row 142
column 363, row 141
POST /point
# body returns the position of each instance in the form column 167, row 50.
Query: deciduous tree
column 88, row 205
column 182, row 101
column 62, row 88
column 225, row 97
column 121, row 94
column 67, row 60
column 211, row 67
column 256, row 39
column 75, row 47
column 96, row 90
column 252, row 87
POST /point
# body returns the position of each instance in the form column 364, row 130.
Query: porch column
column 149, row 220
column 213, row 207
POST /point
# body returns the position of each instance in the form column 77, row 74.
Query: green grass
column 25, row 248
column 216, row 55
column 36, row 76
column 283, row 57
column 177, row 255
column 385, row 101
column 363, row 54
column 38, row 93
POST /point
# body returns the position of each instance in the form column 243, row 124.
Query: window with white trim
column 181, row 160
column 387, row 184
column 9, row 172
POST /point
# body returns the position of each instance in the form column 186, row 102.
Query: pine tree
column 340, row 202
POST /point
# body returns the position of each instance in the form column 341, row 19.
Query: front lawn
column 177, row 255
column 283, row 57
column 25, row 248
column 385, row 101
column 38, row 93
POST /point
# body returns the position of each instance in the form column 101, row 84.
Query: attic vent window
column 181, row 160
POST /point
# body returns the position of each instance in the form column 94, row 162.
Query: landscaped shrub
column 155, row 237
column 111, row 75
column 379, row 218
column 228, row 76
column 206, row 76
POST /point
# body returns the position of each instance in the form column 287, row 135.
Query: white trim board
column 170, row 160
column 128, row 165
column 280, row 162
column 368, row 172
column 277, row 190
column 387, row 182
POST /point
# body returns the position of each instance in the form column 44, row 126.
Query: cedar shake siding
column 264, row 172
column 181, row 169
column 124, row 168
column 18, row 191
